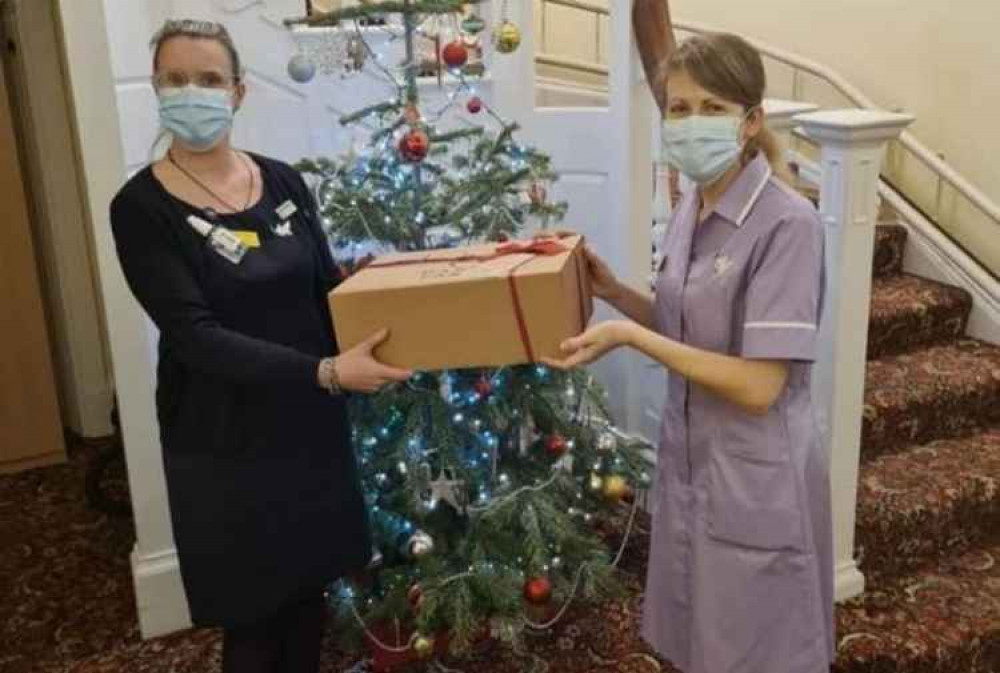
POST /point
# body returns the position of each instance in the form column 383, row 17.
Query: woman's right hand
column 359, row 371
column 603, row 282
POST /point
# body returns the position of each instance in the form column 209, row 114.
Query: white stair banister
column 781, row 114
column 852, row 147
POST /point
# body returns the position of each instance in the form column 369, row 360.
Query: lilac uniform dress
column 741, row 564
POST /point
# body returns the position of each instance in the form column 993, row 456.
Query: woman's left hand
column 592, row 344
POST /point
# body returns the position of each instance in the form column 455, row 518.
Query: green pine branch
column 375, row 9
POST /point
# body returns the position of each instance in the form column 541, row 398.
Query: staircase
column 928, row 519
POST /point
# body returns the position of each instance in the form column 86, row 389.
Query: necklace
column 193, row 178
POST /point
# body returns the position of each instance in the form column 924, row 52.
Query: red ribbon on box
column 539, row 247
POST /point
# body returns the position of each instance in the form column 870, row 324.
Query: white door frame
column 161, row 602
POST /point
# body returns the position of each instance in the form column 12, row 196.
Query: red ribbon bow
column 539, row 246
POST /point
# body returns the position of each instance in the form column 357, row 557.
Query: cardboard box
column 478, row 306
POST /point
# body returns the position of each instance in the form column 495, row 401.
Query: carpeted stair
column 928, row 521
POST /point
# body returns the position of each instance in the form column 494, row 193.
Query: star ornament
column 447, row 489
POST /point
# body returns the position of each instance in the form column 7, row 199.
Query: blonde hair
column 729, row 67
column 204, row 30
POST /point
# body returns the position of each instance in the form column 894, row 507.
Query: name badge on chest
column 285, row 211
column 223, row 241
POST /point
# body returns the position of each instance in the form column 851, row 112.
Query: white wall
column 935, row 60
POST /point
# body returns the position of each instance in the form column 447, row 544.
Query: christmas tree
column 484, row 486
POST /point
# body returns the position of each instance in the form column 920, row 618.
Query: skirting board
column 95, row 413
column 848, row 582
column 159, row 594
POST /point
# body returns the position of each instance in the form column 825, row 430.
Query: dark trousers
column 287, row 642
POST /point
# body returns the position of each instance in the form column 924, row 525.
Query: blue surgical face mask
column 196, row 116
column 702, row 148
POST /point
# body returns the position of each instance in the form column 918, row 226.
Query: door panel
column 30, row 425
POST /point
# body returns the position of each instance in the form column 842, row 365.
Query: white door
column 603, row 156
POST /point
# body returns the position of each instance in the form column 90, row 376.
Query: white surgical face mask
column 703, row 148
column 198, row 117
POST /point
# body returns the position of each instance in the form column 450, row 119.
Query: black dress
column 261, row 476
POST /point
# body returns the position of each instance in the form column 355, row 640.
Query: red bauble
column 483, row 387
column 538, row 591
column 474, row 105
column 455, row 54
column 556, row 445
column 414, row 145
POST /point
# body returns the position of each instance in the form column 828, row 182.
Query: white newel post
column 852, row 146
column 87, row 30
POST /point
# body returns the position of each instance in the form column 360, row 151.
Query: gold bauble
column 615, row 487
column 423, row 646
column 507, row 37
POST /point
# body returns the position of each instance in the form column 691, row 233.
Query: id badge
column 223, row 241
column 227, row 244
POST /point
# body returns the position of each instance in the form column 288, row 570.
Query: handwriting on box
column 444, row 271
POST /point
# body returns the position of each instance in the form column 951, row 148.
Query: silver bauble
column 301, row 68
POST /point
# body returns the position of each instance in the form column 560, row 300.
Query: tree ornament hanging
column 357, row 54
column 418, row 545
column 507, row 37
column 538, row 591
column 301, row 68
column 455, row 54
column 414, row 145
column 615, row 488
column 450, row 490
column 556, row 445
column 483, row 387
column 475, row 105
column 423, row 646
column 473, row 24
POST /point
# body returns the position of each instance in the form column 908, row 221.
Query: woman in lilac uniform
column 740, row 569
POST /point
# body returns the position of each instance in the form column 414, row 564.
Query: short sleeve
column 785, row 292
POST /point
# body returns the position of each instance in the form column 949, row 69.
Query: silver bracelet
column 331, row 377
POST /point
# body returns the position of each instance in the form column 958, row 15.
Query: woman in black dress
column 224, row 252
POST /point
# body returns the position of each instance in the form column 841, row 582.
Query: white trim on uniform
column 780, row 325
column 755, row 197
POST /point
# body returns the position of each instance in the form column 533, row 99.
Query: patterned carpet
column 928, row 533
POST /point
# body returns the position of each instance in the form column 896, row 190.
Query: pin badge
column 722, row 264
column 286, row 210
